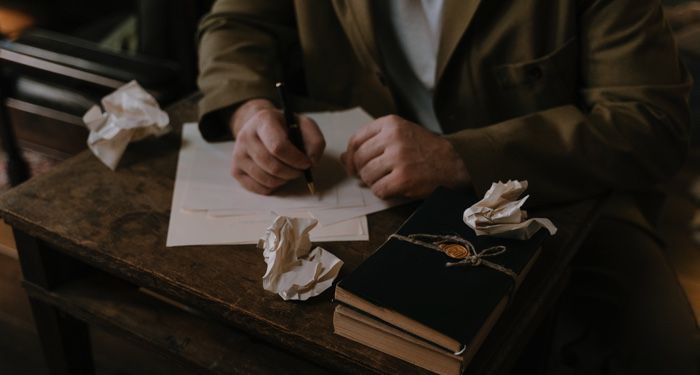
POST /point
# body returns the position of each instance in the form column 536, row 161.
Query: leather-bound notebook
column 426, row 295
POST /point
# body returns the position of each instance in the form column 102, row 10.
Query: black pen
column 294, row 133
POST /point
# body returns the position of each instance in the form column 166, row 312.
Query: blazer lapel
column 456, row 17
column 356, row 17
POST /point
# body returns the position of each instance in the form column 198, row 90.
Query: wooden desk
column 88, row 238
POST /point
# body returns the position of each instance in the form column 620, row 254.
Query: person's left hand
column 395, row 157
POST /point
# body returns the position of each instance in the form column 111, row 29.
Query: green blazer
column 579, row 97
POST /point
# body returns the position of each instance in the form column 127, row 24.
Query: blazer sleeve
column 243, row 46
column 630, row 132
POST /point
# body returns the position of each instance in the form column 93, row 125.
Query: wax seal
column 454, row 251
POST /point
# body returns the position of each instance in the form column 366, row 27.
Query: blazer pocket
column 541, row 83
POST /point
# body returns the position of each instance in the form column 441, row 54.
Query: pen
column 294, row 133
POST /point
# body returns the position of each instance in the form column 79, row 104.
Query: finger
column 371, row 149
column 374, row 170
column 265, row 160
column 274, row 137
column 249, row 184
column 366, row 132
column 260, row 176
column 387, row 187
column 314, row 143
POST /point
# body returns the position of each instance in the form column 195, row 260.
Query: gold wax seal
column 455, row 251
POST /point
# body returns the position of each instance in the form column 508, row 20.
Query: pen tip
column 312, row 188
column 278, row 84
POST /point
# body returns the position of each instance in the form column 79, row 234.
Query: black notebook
column 409, row 287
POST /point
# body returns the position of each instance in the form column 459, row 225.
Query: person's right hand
column 263, row 157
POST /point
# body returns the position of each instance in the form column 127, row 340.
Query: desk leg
column 65, row 340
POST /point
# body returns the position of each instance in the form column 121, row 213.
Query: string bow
column 474, row 258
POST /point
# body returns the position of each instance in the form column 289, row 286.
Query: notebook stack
column 424, row 296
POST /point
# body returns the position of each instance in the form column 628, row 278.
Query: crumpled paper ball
column 130, row 114
column 499, row 213
column 294, row 271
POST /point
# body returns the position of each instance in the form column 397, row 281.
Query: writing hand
column 395, row 157
column 263, row 157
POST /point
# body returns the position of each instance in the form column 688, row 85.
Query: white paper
column 130, row 114
column 294, row 271
column 197, row 228
column 210, row 207
column 499, row 213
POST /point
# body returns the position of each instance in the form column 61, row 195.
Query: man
column 579, row 98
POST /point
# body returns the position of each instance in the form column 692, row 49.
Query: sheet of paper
column 196, row 228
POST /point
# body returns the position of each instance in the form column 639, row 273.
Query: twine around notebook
column 474, row 258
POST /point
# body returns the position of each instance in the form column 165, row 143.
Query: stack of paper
column 211, row 207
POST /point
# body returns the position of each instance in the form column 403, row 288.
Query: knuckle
column 393, row 118
column 276, row 168
column 379, row 191
column 245, row 134
column 265, row 157
column 399, row 152
column 402, row 177
column 391, row 152
column 277, row 147
column 392, row 131
column 364, row 175
column 265, row 116
column 401, row 180
column 392, row 122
